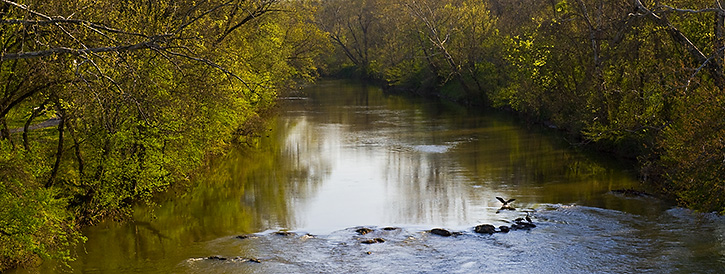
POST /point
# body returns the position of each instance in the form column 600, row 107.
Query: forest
column 106, row 103
column 638, row 79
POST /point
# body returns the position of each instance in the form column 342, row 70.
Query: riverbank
column 42, row 223
column 641, row 99
column 627, row 151
column 342, row 157
column 142, row 96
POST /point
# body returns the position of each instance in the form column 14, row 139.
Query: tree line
column 642, row 79
column 140, row 93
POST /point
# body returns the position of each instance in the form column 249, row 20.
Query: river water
column 341, row 156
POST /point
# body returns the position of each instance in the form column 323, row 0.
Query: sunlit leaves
column 609, row 73
column 175, row 82
column 33, row 221
column 693, row 150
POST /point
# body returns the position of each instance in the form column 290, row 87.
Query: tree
column 713, row 62
column 355, row 26
column 142, row 92
column 635, row 78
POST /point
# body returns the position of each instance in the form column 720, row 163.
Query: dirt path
column 47, row 123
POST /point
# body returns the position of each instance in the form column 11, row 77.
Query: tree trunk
column 76, row 147
column 4, row 131
column 26, row 127
column 59, row 151
column 719, row 39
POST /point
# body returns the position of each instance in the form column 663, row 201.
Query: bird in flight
column 505, row 203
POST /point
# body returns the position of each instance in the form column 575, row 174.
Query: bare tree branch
column 262, row 8
column 667, row 8
column 162, row 44
column 703, row 65
column 152, row 42
column 26, row 95
column 54, row 21
column 212, row 64
column 185, row 25
column 715, row 68
column 23, row 7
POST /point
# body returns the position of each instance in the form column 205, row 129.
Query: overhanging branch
column 211, row 64
column 55, row 21
column 162, row 43
column 77, row 52
column 715, row 69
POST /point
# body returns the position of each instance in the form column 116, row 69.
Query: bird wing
column 501, row 199
column 510, row 200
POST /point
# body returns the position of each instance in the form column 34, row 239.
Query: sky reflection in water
column 344, row 155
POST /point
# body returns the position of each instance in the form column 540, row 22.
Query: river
column 341, row 156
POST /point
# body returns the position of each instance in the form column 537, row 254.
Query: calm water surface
column 342, row 156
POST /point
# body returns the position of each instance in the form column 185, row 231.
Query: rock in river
column 520, row 223
column 242, row 237
column 363, row 230
column 373, row 241
column 485, row 229
column 284, row 233
column 216, row 257
column 441, row 232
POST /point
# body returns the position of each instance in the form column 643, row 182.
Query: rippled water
column 341, row 156
column 568, row 239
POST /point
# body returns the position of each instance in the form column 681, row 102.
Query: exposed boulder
column 373, row 241
column 485, row 229
column 363, row 230
column 441, row 232
column 251, row 260
column 235, row 259
column 284, row 233
column 521, row 223
column 217, row 258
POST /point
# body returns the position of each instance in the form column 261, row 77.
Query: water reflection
column 344, row 155
column 402, row 161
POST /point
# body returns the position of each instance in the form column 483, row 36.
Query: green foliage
column 562, row 7
column 529, row 79
column 624, row 77
column 138, row 116
column 177, row 81
column 692, row 150
column 34, row 223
